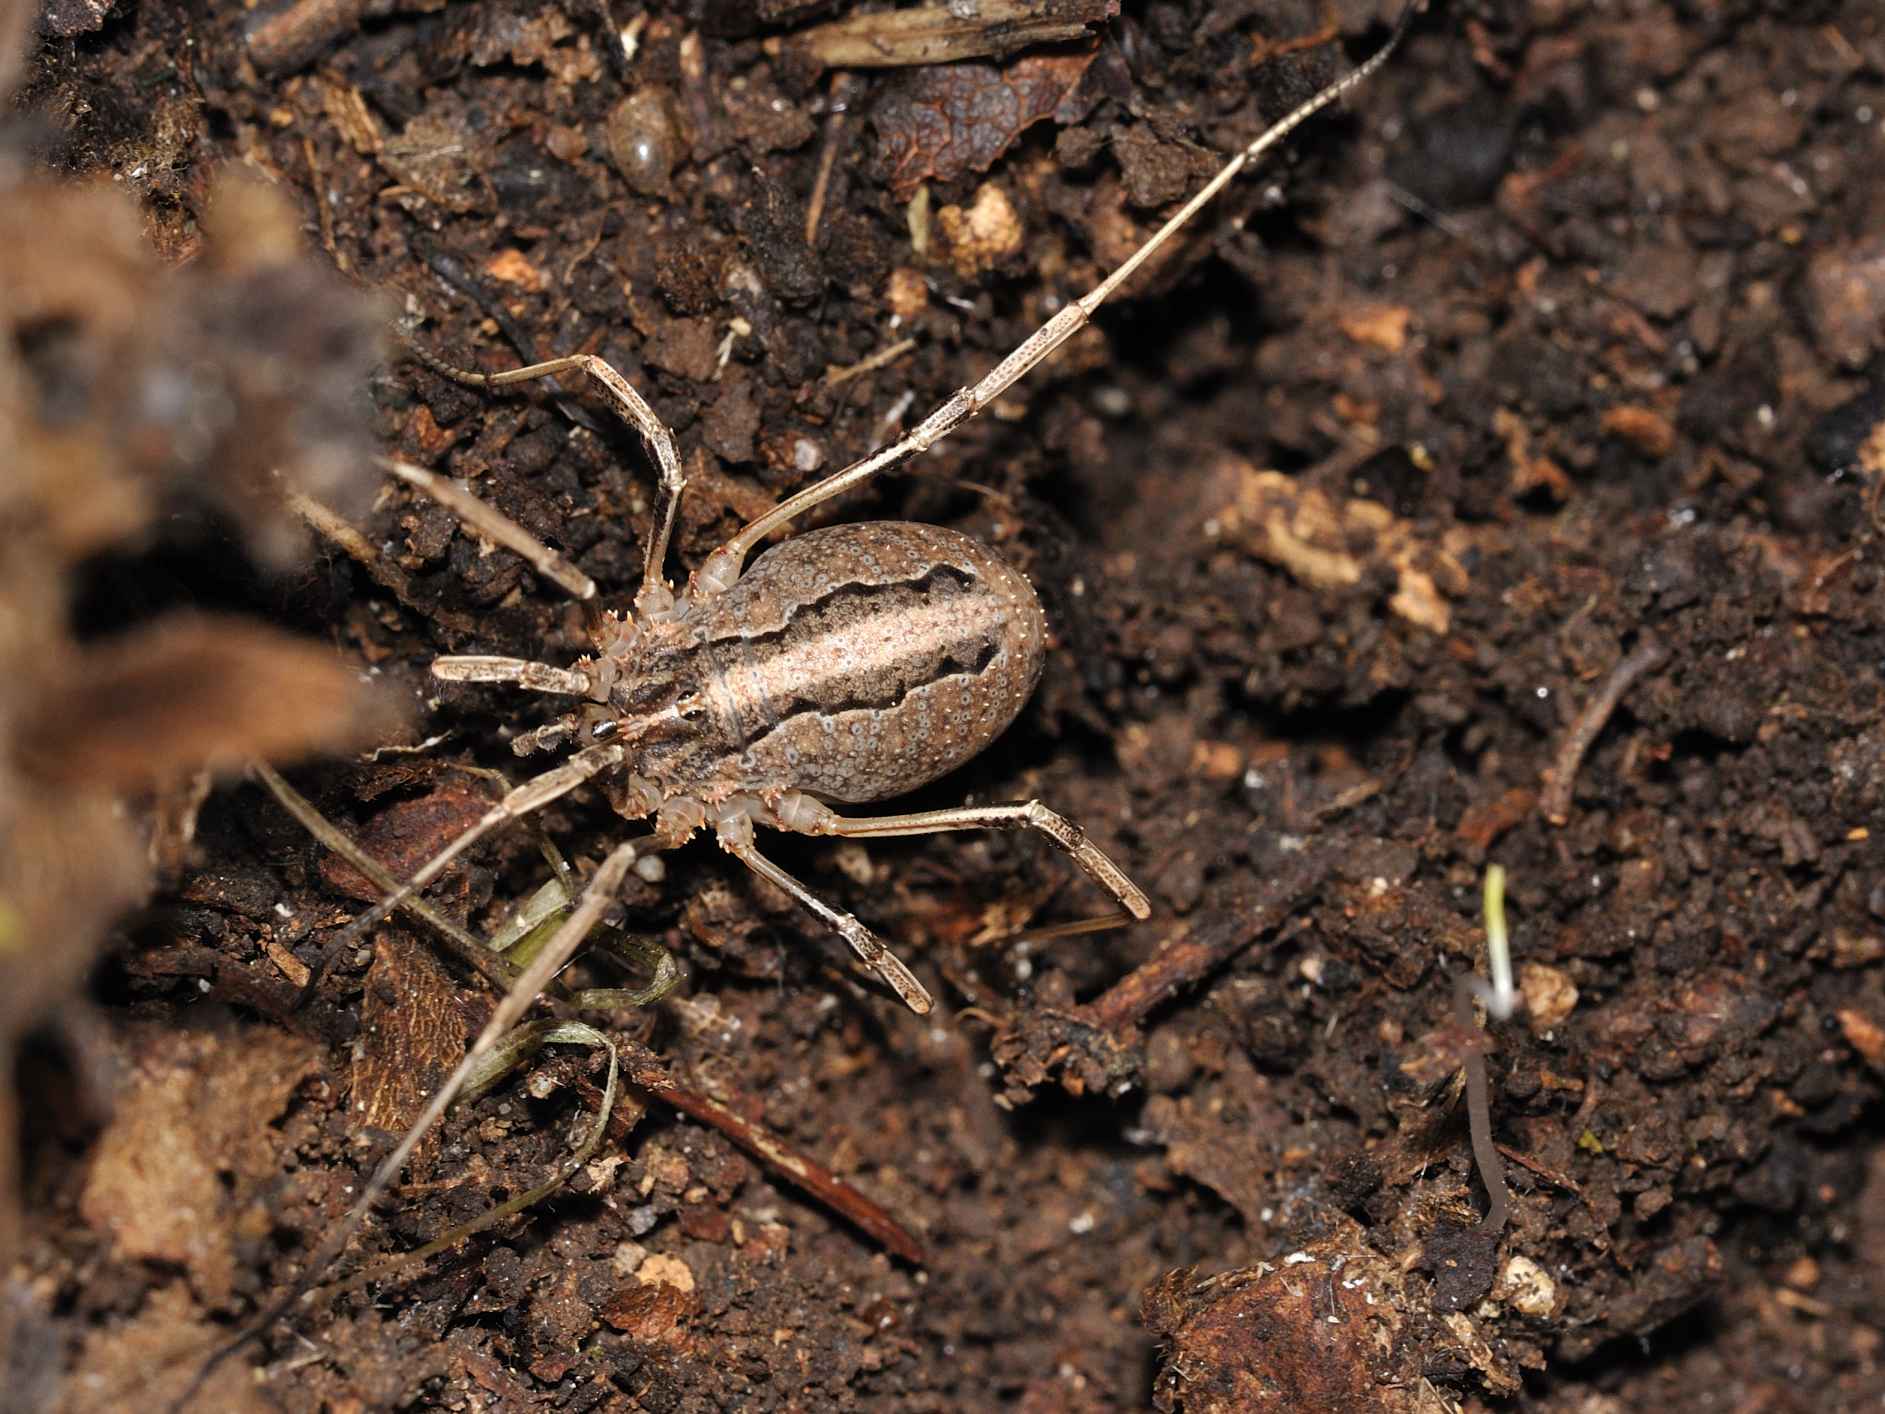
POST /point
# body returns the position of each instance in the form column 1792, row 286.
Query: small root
column 1555, row 801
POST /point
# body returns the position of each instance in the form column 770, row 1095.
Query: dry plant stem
column 841, row 87
column 941, row 34
column 838, row 376
column 798, row 1168
column 1479, row 1107
column 1555, row 801
column 1196, row 955
column 469, row 950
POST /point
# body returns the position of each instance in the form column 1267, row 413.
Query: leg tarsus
column 1066, row 836
column 655, row 599
column 494, row 525
column 736, row 837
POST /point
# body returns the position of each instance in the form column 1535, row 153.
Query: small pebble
column 647, row 140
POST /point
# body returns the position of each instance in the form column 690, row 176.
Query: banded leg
column 808, row 817
column 655, row 599
column 533, row 794
column 722, row 568
column 736, row 838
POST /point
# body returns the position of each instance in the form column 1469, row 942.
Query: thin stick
column 1500, row 1000
column 1554, row 803
column 837, row 376
column 827, row 156
column 798, row 1168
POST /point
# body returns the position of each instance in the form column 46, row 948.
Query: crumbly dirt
column 1557, row 352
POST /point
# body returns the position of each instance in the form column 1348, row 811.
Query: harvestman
column 730, row 703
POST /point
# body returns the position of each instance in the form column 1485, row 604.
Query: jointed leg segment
column 532, row 677
column 1066, row 836
column 736, row 837
column 493, row 524
column 533, row 794
column 655, row 598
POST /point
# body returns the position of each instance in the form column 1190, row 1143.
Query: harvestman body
column 846, row 665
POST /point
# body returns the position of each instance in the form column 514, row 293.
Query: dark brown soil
column 1560, row 347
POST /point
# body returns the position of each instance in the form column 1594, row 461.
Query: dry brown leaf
column 129, row 714
column 943, row 121
column 413, row 1030
column 199, row 1107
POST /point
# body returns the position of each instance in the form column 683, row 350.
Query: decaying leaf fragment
column 1332, row 1326
column 191, row 1142
column 942, row 121
column 1329, row 544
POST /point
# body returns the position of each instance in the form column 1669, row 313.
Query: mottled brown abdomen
column 861, row 661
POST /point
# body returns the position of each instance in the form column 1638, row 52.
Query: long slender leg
column 493, row 524
column 722, row 568
column 469, row 949
column 533, row 794
column 655, row 598
column 809, row 817
column 736, row 837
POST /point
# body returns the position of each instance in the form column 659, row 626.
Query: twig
column 834, row 377
column 644, row 1072
column 941, row 34
column 1204, row 950
column 827, row 156
column 1555, row 800
column 1551, row 1176
column 1095, row 1046
column 323, row 209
